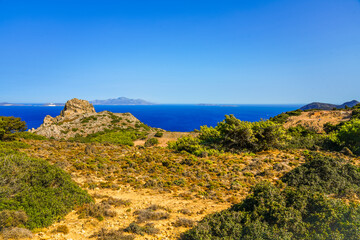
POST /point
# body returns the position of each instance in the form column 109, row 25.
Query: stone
column 77, row 106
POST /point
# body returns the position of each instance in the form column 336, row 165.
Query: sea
column 181, row 118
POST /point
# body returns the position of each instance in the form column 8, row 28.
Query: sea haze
column 181, row 118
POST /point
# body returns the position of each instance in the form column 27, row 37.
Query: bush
column 105, row 234
column 29, row 135
column 144, row 215
column 115, row 136
column 159, row 134
column 45, row 192
column 137, row 229
column 96, row 210
column 62, row 229
column 349, row 135
column 233, row 135
column 325, row 174
column 283, row 117
column 12, row 218
column 16, row 233
column 151, row 142
column 184, row 222
column 274, row 213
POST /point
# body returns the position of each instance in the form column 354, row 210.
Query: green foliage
column 252, row 136
column 349, row 135
column 235, row 136
column 28, row 135
column 274, row 213
column 191, row 145
column 325, row 174
column 12, row 147
column 10, row 125
column 11, row 218
column 45, row 192
column 151, row 142
column 283, row 117
column 159, row 134
column 304, row 138
column 355, row 114
column 115, row 136
column 299, row 211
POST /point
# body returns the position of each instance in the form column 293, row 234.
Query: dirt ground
column 316, row 119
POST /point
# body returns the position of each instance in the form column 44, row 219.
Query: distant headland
column 328, row 106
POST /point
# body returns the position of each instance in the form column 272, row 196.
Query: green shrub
column 45, row 192
column 325, row 174
column 151, row 142
column 12, row 147
column 159, row 134
column 137, row 229
column 233, row 135
column 29, row 135
column 9, row 125
column 114, row 136
column 274, row 213
column 283, row 117
column 12, row 218
column 349, row 135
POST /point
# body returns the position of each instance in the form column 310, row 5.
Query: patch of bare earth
column 316, row 119
column 167, row 137
column 140, row 199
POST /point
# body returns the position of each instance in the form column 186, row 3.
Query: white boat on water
column 50, row 105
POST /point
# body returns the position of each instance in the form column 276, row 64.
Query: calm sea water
column 168, row 117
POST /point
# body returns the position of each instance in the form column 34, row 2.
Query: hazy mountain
column 121, row 101
column 328, row 106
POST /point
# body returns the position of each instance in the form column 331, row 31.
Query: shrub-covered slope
column 43, row 191
column 293, row 212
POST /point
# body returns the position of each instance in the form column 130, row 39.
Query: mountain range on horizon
column 121, row 101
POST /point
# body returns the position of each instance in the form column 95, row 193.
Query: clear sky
column 180, row 51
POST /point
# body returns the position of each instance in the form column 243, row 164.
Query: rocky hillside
column 79, row 118
column 316, row 119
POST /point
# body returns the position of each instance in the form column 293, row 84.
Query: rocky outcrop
column 77, row 106
column 79, row 118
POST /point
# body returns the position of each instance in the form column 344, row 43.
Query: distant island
column 121, row 101
column 32, row 104
column 328, row 106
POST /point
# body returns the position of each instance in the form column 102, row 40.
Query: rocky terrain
column 316, row 119
column 79, row 118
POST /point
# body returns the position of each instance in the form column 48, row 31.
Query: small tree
column 10, row 125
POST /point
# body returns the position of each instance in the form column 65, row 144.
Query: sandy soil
column 316, row 119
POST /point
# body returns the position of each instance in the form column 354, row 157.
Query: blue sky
column 180, row 51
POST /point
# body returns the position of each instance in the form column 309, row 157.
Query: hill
column 121, row 101
column 79, row 119
column 328, row 106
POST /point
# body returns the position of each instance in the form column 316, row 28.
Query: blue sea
column 181, row 118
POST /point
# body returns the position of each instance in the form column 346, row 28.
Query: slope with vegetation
column 303, row 184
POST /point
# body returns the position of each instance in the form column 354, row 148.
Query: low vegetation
column 295, row 193
column 32, row 186
column 301, row 210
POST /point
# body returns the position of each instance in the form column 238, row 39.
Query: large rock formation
column 77, row 106
column 79, row 118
